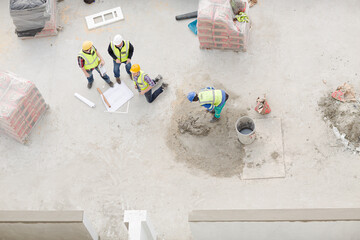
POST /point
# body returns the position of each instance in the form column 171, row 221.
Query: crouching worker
column 144, row 84
column 210, row 98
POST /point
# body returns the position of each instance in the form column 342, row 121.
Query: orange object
column 107, row 103
column 135, row 68
column 338, row 95
column 262, row 106
column 87, row 45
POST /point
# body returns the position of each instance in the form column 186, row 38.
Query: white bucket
column 245, row 129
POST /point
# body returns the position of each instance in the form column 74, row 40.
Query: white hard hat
column 118, row 39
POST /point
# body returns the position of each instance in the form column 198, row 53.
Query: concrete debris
column 344, row 93
column 337, row 133
column 344, row 120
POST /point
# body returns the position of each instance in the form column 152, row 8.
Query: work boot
column 164, row 85
column 158, row 78
column 89, row 85
column 111, row 84
column 214, row 119
column 118, row 80
column 212, row 111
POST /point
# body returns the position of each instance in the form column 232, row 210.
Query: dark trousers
column 150, row 97
column 91, row 78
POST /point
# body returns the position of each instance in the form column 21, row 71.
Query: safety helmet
column 87, row 45
column 135, row 68
column 191, row 96
column 117, row 39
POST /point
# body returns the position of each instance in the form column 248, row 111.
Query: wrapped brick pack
column 21, row 106
column 34, row 18
column 217, row 26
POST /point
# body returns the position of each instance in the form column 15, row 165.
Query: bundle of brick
column 218, row 26
column 21, row 106
column 34, row 18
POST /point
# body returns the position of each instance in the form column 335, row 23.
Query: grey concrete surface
column 264, row 157
column 276, row 230
column 83, row 158
column 261, row 224
column 45, row 225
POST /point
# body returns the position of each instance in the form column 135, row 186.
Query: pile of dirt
column 211, row 147
column 345, row 116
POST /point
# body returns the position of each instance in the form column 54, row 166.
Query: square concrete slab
column 264, row 157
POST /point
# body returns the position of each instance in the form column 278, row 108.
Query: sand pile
column 211, row 147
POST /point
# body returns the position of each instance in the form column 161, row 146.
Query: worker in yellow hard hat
column 89, row 59
column 121, row 51
column 144, row 84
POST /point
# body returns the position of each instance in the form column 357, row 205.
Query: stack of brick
column 21, row 106
column 35, row 18
column 51, row 26
column 217, row 27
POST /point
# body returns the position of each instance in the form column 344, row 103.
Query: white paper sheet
column 117, row 96
column 102, row 69
column 85, row 100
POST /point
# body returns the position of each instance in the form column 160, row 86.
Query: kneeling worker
column 213, row 100
column 144, row 84
column 89, row 59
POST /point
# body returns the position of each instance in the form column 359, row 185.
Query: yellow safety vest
column 140, row 81
column 124, row 54
column 91, row 59
column 212, row 97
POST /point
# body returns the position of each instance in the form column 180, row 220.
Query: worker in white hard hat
column 89, row 59
column 121, row 51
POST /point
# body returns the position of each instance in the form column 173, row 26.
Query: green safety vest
column 91, row 59
column 124, row 54
column 212, row 97
column 140, row 81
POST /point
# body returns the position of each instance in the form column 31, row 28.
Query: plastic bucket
column 245, row 129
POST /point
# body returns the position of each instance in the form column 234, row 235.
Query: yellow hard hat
column 87, row 45
column 135, row 68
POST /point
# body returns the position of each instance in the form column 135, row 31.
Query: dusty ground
column 212, row 147
column 82, row 158
column 345, row 116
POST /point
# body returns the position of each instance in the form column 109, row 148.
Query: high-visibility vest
column 91, row 59
column 124, row 54
column 140, row 81
column 212, row 97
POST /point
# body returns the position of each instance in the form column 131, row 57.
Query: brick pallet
column 216, row 27
column 21, row 106
column 50, row 28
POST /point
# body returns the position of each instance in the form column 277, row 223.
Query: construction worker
column 121, row 51
column 210, row 98
column 89, row 59
column 144, row 84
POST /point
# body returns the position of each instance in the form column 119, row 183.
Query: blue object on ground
column 193, row 26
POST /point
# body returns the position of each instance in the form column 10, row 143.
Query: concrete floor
column 83, row 158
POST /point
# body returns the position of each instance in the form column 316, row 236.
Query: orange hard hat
column 87, row 45
column 135, row 68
